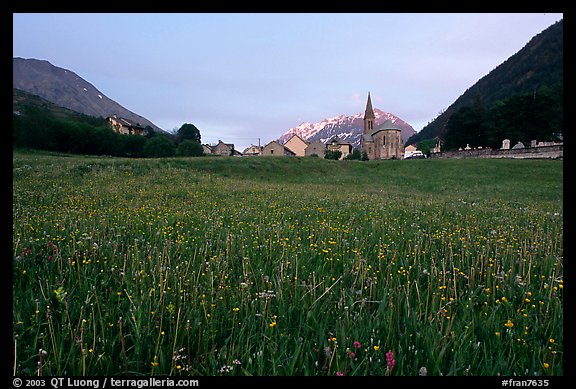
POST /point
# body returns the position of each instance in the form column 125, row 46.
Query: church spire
column 369, row 116
column 369, row 113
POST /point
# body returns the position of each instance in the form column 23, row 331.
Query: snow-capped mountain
column 347, row 128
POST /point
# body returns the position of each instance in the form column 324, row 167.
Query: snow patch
column 85, row 90
column 100, row 96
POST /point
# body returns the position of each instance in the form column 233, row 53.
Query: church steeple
column 369, row 116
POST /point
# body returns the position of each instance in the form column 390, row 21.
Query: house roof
column 284, row 147
column 297, row 137
column 338, row 141
column 125, row 122
column 225, row 144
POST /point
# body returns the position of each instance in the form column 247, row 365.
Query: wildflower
column 357, row 344
column 546, row 365
column 391, row 362
column 552, row 340
column 155, row 361
column 339, row 373
column 376, row 348
column 509, row 324
column 422, row 371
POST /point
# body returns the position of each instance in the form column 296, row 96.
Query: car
column 416, row 155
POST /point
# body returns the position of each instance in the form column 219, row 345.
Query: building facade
column 276, row 149
column 380, row 142
column 297, row 145
column 336, row 144
column 124, row 126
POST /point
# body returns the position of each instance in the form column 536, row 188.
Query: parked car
column 416, row 155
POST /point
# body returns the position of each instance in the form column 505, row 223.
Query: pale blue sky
column 245, row 77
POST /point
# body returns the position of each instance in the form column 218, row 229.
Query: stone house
column 276, row 149
column 124, row 126
column 207, row 149
column 253, row 150
column 336, row 144
column 382, row 142
column 315, row 148
column 224, row 149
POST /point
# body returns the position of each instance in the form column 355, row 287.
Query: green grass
column 277, row 266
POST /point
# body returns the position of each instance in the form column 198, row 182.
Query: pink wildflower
column 391, row 362
column 357, row 344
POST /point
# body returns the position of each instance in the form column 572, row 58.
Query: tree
column 354, row 155
column 427, row 144
column 189, row 148
column 188, row 132
column 133, row 145
column 467, row 126
column 148, row 131
column 364, row 156
column 332, row 154
column 159, row 146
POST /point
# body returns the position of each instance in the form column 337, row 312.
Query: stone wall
column 549, row 152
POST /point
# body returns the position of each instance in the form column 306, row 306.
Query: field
column 286, row 266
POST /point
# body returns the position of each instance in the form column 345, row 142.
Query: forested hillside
column 520, row 99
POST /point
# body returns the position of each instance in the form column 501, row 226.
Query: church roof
column 387, row 125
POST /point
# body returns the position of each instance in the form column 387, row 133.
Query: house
column 276, row 149
column 382, row 142
column 297, row 145
column 409, row 151
column 124, row 126
column 315, row 148
column 207, row 149
column 224, row 149
column 336, row 144
column 252, row 150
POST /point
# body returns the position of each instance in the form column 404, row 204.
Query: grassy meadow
column 286, row 266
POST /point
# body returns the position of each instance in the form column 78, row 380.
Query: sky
column 246, row 78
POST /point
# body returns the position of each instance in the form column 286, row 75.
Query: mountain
column 26, row 103
column 538, row 64
column 347, row 128
column 66, row 89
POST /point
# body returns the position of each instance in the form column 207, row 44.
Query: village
column 380, row 142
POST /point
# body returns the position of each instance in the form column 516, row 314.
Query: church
column 382, row 142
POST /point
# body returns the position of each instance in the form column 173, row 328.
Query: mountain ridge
column 65, row 88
